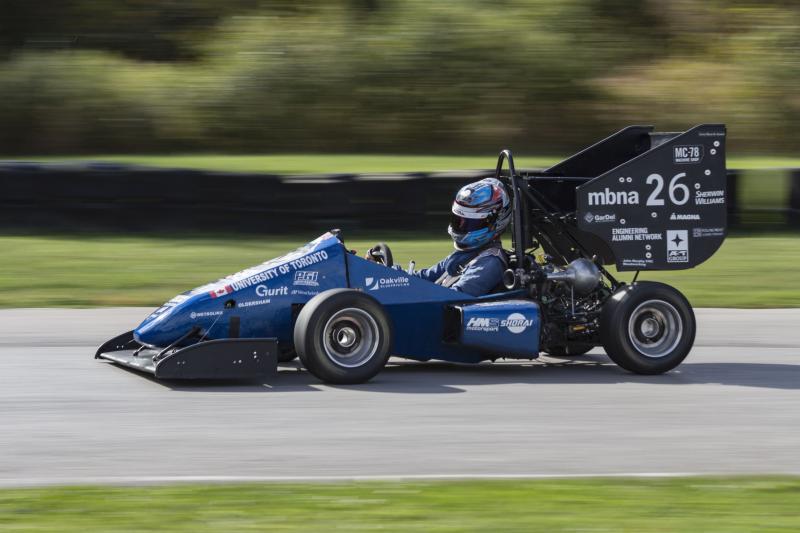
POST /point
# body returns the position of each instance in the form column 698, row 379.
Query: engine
column 570, row 297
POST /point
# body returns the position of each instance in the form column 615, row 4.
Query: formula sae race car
column 638, row 200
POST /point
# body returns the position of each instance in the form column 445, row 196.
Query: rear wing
column 638, row 199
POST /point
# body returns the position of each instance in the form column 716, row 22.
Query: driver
column 480, row 214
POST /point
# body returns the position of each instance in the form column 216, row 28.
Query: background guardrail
column 107, row 197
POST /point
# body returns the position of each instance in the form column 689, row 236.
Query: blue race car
column 639, row 200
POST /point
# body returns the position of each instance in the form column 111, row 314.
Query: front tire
column 647, row 327
column 343, row 336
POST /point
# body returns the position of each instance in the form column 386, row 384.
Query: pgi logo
column 307, row 278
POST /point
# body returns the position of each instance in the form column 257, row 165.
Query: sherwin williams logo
column 374, row 284
column 516, row 323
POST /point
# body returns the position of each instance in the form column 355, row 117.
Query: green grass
column 80, row 271
column 635, row 505
column 315, row 163
column 334, row 163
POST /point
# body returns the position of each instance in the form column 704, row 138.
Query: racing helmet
column 480, row 213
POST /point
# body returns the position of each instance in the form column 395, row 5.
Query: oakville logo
column 373, row 284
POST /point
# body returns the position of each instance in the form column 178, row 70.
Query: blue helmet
column 481, row 212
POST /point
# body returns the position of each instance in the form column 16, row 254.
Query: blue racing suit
column 474, row 272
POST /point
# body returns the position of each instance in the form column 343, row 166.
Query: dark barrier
column 794, row 198
column 106, row 197
column 115, row 198
column 732, row 197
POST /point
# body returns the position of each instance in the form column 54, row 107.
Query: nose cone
column 169, row 322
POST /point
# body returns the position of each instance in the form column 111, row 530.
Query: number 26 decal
column 678, row 192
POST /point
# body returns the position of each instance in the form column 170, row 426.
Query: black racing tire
column 572, row 349
column 343, row 336
column 647, row 327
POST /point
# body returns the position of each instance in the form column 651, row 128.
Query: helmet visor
column 461, row 224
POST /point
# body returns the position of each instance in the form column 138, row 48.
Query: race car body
column 638, row 200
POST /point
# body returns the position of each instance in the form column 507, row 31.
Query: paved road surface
column 732, row 407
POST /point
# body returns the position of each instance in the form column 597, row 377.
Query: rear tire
column 343, row 336
column 647, row 327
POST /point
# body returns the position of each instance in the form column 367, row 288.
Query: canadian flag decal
column 222, row 291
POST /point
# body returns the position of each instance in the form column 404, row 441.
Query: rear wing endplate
column 663, row 209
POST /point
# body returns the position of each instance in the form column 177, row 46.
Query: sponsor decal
column 251, row 303
column 375, row 284
column 709, row 197
column 708, row 232
column 687, row 154
column 684, row 216
column 242, row 281
column 194, row 315
column 303, row 292
column 636, row 263
column 307, row 278
column 634, row 234
column 609, row 197
column 514, row 323
column 477, row 323
column 677, row 246
column 310, row 259
column 591, row 217
column 263, row 290
column 222, row 291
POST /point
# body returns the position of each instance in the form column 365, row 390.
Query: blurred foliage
column 81, row 76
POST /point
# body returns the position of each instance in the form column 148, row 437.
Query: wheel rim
column 350, row 337
column 655, row 328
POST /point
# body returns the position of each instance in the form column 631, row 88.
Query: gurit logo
column 263, row 290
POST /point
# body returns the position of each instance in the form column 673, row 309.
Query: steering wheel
column 380, row 253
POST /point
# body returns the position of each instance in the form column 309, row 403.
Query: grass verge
column 86, row 271
column 641, row 505
column 335, row 163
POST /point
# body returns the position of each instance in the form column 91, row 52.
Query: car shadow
column 435, row 377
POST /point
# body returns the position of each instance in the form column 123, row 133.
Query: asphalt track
column 732, row 407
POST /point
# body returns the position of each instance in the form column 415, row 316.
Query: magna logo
column 516, row 323
column 263, row 290
column 609, row 197
column 375, row 284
